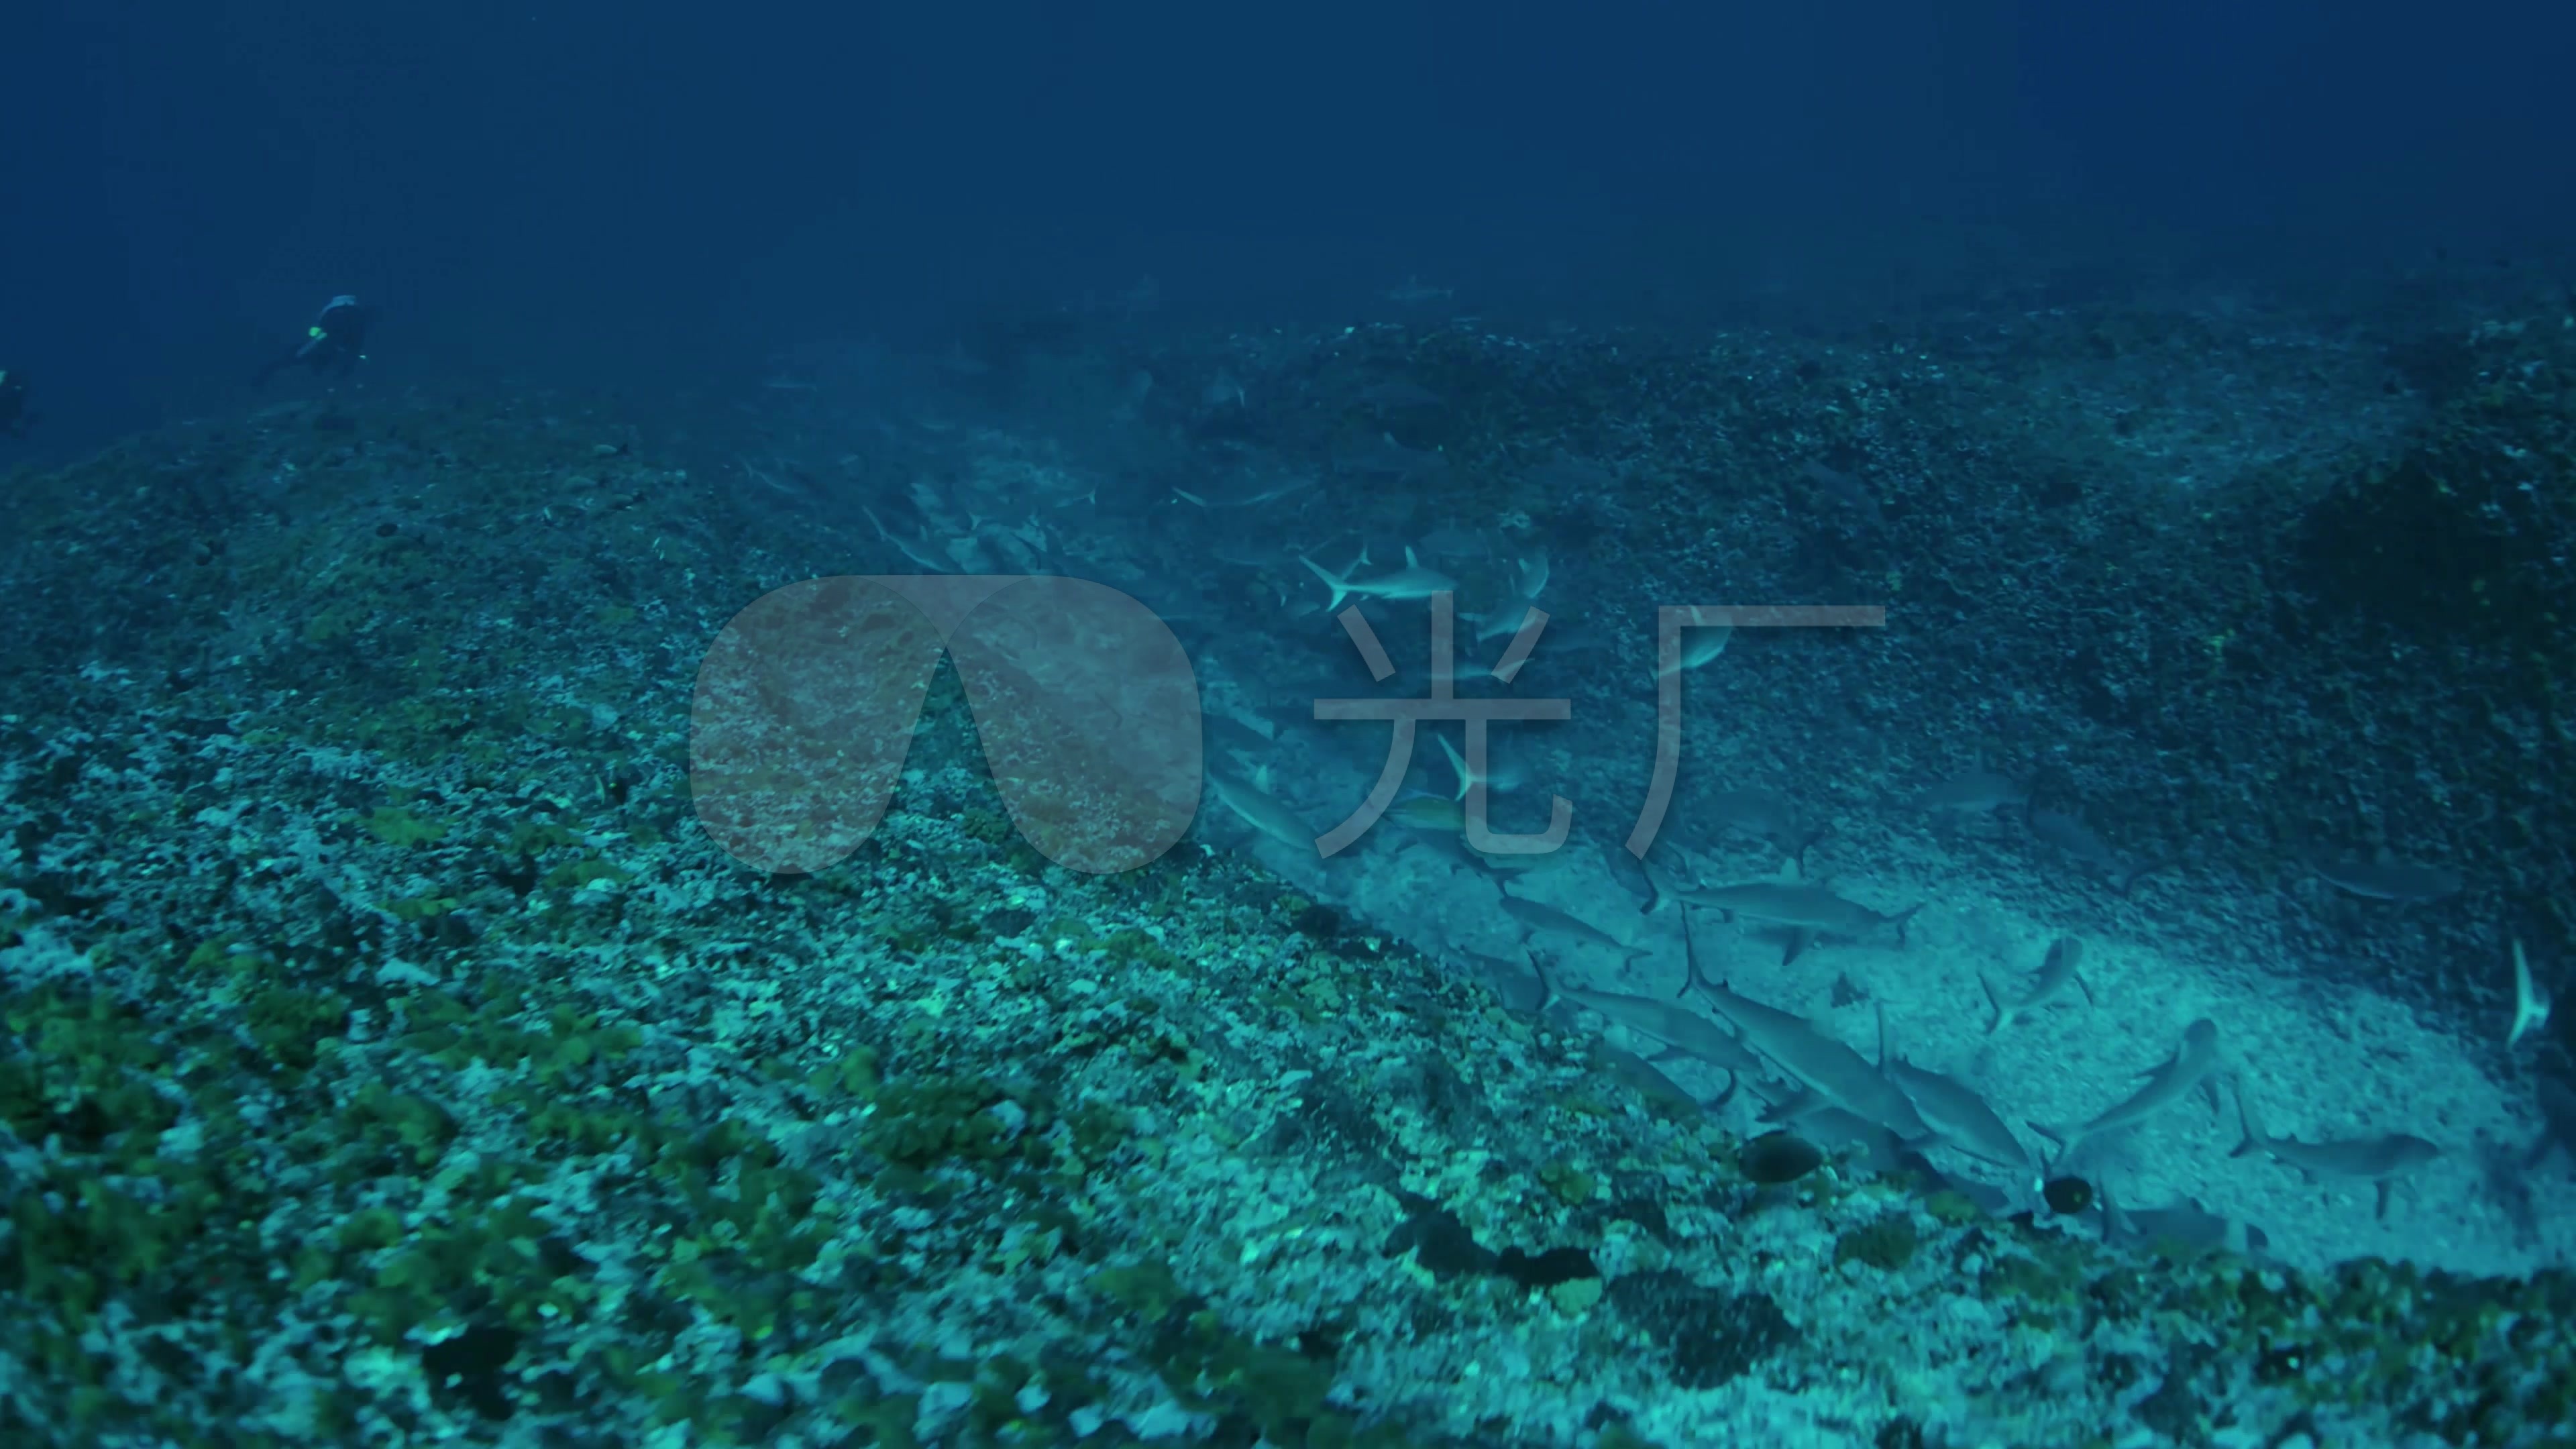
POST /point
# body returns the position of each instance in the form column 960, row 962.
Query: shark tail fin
column 2245, row 1119
column 1659, row 882
column 1994, row 998
column 1698, row 981
column 1457, row 765
column 1340, row 585
column 1547, row 993
column 1802, row 842
column 1904, row 916
column 2531, row 1003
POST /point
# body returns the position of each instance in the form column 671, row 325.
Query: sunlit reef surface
column 390, row 1057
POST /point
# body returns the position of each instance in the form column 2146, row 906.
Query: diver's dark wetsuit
column 331, row 346
column 13, row 404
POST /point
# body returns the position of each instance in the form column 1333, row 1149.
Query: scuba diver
column 330, row 345
column 14, row 416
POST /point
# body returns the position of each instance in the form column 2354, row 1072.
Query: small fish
column 1536, row 917
column 2191, row 1068
column 1981, row 792
column 1778, row 1157
column 1413, row 292
column 1413, row 581
column 2389, row 880
column 2379, row 1161
column 2530, row 1000
column 1262, row 811
column 2065, row 958
column 1959, row 1114
column 2066, row 1196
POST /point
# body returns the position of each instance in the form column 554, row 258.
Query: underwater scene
column 1961, row 853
